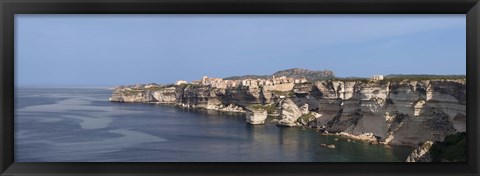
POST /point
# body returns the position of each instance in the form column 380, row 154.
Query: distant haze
column 108, row 50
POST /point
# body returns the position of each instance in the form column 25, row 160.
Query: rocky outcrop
column 332, row 146
column 369, row 137
column 398, row 112
column 421, row 154
column 229, row 108
column 256, row 116
column 289, row 113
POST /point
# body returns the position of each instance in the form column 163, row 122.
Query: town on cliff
column 419, row 111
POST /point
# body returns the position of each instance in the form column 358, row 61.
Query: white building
column 150, row 86
column 301, row 80
column 376, row 77
column 205, row 80
column 180, row 82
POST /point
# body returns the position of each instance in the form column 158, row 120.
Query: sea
column 81, row 125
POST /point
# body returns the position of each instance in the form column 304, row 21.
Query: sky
column 59, row 50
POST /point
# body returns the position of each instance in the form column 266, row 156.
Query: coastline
column 399, row 112
column 347, row 136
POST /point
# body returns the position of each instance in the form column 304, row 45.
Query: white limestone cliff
column 289, row 114
column 405, row 112
column 256, row 116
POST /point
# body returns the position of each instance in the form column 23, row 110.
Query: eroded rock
column 289, row 114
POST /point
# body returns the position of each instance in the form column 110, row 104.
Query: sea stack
column 256, row 115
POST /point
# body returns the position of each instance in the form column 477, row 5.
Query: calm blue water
column 80, row 125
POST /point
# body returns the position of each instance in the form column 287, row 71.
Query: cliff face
column 406, row 112
column 421, row 154
column 398, row 112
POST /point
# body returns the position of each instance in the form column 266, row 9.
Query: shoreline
column 349, row 137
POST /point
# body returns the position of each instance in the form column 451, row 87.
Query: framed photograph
column 190, row 87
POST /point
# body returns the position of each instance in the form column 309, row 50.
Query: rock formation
column 398, row 112
column 421, row 154
column 256, row 116
column 289, row 113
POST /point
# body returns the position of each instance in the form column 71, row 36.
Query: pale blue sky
column 108, row 50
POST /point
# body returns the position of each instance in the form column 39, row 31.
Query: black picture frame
column 8, row 8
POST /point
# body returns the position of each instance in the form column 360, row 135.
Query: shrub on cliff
column 353, row 79
column 131, row 92
column 256, row 107
column 453, row 148
column 399, row 77
column 307, row 117
column 271, row 108
column 310, row 75
column 284, row 93
column 155, row 88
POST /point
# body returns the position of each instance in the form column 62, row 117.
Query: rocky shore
column 396, row 112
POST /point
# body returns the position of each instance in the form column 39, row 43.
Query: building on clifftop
column 181, row 82
column 376, row 77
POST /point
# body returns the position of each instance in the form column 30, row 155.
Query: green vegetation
column 353, row 79
column 398, row 78
column 304, row 73
column 183, row 86
column 256, row 107
column 290, row 93
column 400, row 117
column 284, row 93
column 453, row 148
column 131, row 92
column 308, row 83
column 307, row 117
column 271, row 109
column 192, row 86
column 291, row 73
column 383, row 82
column 389, row 101
column 155, row 88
